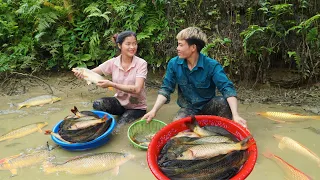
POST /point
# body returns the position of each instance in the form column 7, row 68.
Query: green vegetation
column 248, row 37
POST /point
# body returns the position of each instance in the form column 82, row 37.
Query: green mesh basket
column 143, row 129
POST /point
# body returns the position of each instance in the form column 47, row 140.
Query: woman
column 129, row 73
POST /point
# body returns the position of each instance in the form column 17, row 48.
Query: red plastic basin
column 161, row 138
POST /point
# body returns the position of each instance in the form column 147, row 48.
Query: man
column 197, row 77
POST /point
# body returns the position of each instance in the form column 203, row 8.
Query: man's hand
column 240, row 120
column 149, row 116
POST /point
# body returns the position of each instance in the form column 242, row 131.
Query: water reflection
column 261, row 128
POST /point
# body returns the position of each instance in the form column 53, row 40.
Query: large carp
column 90, row 76
column 211, row 150
column 23, row 160
column 90, row 163
column 23, row 131
column 38, row 101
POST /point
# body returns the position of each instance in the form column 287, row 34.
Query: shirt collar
column 199, row 63
column 117, row 62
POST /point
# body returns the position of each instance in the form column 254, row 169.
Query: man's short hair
column 193, row 35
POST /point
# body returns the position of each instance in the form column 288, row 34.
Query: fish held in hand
column 23, row 131
column 291, row 172
column 90, row 76
column 284, row 117
column 90, row 163
column 38, row 101
column 286, row 142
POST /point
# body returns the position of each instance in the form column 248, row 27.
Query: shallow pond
column 262, row 129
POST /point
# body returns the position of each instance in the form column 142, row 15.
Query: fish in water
column 142, row 139
column 90, row 76
column 90, row 163
column 23, row 160
column 38, row 101
column 23, row 131
column 315, row 130
column 290, row 171
column 286, row 142
column 49, row 132
column 284, row 117
column 211, row 150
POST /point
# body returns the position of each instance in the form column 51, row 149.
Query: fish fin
column 13, row 172
column 74, row 110
column 27, row 106
column 281, row 145
column 115, row 171
column 39, row 130
column 192, row 124
column 246, row 143
column 268, row 154
column 276, row 120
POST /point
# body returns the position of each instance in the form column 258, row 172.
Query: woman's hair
column 119, row 38
column 193, row 35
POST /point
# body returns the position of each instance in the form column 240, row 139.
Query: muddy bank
column 306, row 97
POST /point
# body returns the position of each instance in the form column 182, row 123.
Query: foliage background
column 248, row 37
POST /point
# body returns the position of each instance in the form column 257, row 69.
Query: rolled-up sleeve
column 224, row 85
column 169, row 81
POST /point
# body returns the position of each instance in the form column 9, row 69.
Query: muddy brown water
column 262, row 129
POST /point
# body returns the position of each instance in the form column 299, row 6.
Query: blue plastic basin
column 99, row 141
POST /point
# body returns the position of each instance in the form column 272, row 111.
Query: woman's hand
column 78, row 74
column 105, row 84
column 240, row 120
column 149, row 116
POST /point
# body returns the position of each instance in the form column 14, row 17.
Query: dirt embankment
column 307, row 97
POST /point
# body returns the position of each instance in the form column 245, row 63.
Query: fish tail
column 74, row 110
column 191, row 125
column 268, row 154
column 105, row 118
column 49, row 168
column 315, row 117
column 19, row 105
column 246, row 143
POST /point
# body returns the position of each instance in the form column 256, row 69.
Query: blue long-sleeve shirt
column 196, row 87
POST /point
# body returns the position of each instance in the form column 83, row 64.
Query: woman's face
column 183, row 49
column 129, row 46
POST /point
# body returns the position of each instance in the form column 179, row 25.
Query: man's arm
column 161, row 100
column 233, row 103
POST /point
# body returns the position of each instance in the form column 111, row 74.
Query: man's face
column 184, row 50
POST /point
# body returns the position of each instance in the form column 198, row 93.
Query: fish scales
column 23, row 131
column 39, row 100
column 24, row 160
column 90, row 164
column 295, row 146
column 291, row 172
